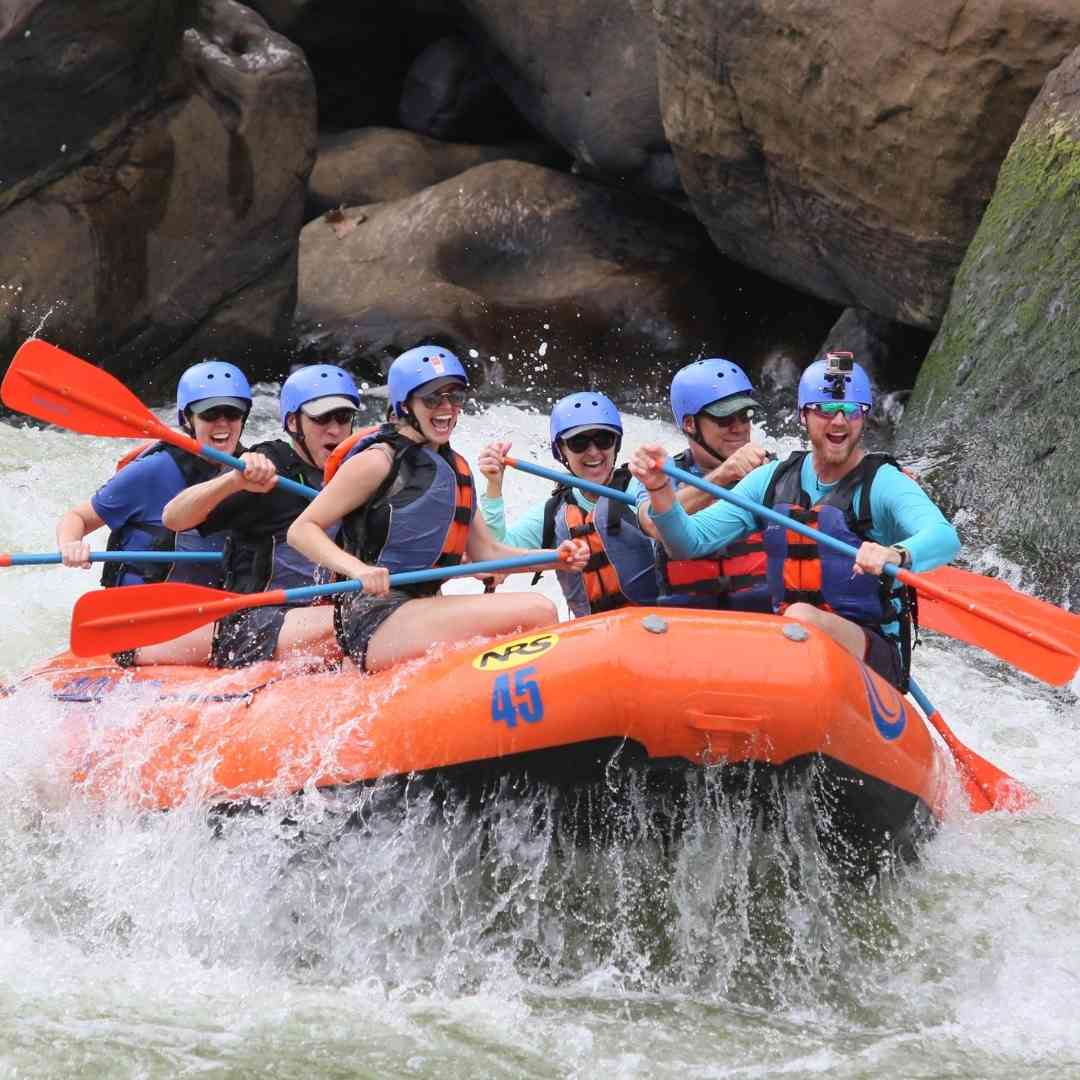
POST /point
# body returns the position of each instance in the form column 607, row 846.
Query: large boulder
column 1000, row 389
column 179, row 235
column 585, row 74
column 851, row 149
column 505, row 260
column 377, row 164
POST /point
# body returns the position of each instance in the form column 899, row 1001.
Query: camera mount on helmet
column 838, row 370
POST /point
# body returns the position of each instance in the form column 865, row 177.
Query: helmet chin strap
column 298, row 438
column 696, row 437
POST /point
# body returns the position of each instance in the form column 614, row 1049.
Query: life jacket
column 621, row 569
column 267, row 560
column 148, row 536
column 420, row 514
column 802, row 571
column 737, row 580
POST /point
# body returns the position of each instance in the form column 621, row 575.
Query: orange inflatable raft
column 666, row 692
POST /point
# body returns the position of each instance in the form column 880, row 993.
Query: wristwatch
column 905, row 556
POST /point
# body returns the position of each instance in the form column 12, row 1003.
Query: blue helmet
column 704, row 381
column 818, row 384
column 314, row 382
column 417, row 366
column 582, row 410
column 212, row 379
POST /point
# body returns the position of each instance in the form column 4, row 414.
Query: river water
column 135, row 946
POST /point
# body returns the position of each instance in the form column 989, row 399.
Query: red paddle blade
column 990, row 621
column 114, row 620
column 987, row 786
column 1028, row 609
column 52, row 385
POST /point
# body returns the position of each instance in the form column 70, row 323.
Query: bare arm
column 353, row 484
column 72, row 528
column 193, row 505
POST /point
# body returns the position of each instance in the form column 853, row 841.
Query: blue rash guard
column 902, row 513
column 138, row 493
column 528, row 530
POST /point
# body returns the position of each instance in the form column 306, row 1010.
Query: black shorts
column 883, row 656
column 357, row 617
column 246, row 637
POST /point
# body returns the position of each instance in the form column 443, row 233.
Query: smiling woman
column 213, row 400
column 405, row 501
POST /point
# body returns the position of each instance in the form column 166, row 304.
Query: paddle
column 987, row 786
column 1028, row 648
column 45, row 558
column 950, row 600
column 52, row 385
column 114, row 620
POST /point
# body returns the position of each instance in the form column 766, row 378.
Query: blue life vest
column 735, row 579
column 802, row 571
column 621, row 569
column 153, row 536
column 419, row 516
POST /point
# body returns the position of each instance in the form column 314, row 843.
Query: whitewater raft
column 663, row 694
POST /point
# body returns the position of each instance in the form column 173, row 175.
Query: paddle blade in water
column 52, row 385
column 114, row 620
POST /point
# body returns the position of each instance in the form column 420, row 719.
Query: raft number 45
column 521, row 700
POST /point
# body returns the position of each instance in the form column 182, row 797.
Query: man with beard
column 860, row 498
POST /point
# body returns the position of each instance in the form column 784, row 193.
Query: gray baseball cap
column 729, row 406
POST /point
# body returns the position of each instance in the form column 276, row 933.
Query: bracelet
column 665, row 484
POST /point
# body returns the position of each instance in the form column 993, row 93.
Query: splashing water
column 435, row 939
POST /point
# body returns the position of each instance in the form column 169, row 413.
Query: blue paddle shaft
column 51, row 557
column 436, row 573
column 211, row 454
column 573, row 481
column 768, row 514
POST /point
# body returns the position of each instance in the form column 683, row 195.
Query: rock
column 377, row 164
column 449, row 94
column 585, row 74
column 851, row 150
column 1000, row 389
column 179, row 236
column 516, row 262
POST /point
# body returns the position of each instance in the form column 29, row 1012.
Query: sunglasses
column 743, row 416
column 452, row 397
column 221, row 412
column 335, row 416
column 849, row 409
column 602, row 440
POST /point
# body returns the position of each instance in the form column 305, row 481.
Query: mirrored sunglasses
column 743, row 416
column 602, row 440
column 850, row 409
column 453, row 397
column 222, row 412
column 335, row 416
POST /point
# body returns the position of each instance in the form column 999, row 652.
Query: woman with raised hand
column 405, row 501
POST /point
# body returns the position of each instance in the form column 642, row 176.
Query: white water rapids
column 157, row 946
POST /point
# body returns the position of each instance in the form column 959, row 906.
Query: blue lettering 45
column 522, row 700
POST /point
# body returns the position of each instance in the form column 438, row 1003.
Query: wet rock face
column 1000, row 388
column 851, row 151
column 68, row 70
column 503, row 258
column 585, row 75
column 178, row 237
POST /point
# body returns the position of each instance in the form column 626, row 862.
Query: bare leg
column 192, row 648
column 419, row 624
column 843, row 631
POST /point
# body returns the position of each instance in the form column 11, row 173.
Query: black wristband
column 665, row 484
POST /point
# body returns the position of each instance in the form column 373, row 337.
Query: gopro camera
column 838, row 369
